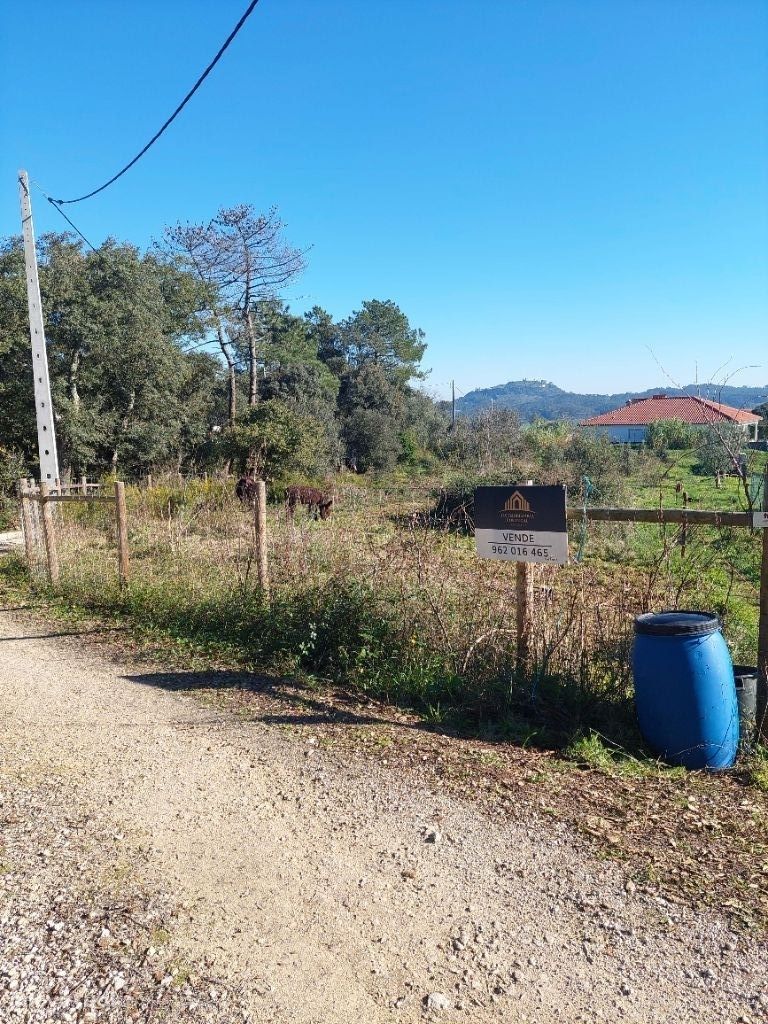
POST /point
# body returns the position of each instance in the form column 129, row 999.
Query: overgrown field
column 379, row 600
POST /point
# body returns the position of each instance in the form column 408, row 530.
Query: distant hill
column 539, row 398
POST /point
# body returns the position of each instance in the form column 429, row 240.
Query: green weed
column 377, row 602
column 594, row 751
column 757, row 768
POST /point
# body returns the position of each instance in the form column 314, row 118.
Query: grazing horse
column 316, row 501
column 245, row 490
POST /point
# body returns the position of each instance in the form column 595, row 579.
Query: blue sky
column 574, row 190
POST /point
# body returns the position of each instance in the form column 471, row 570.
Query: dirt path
column 11, row 540
column 332, row 892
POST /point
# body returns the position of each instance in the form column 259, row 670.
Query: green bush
column 12, row 467
column 671, row 435
column 719, row 448
column 274, row 440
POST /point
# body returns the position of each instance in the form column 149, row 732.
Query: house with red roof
column 629, row 424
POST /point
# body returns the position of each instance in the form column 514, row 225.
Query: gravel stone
column 146, row 876
column 438, row 1001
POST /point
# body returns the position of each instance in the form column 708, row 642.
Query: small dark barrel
column 685, row 692
column 746, row 697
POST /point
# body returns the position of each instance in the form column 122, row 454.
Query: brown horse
column 245, row 490
column 318, row 503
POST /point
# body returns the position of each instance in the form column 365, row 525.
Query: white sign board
column 521, row 524
column 760, row 520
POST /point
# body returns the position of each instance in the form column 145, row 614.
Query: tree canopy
column 186, row 356
column 126, row 395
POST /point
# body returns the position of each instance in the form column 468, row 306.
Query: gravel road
column 11, row 540
column 312, row 890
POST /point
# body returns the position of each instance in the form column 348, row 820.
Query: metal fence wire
column 193, row 553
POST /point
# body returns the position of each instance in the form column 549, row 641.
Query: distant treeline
column 184, row 358
column 158, row 361
column 533, row 399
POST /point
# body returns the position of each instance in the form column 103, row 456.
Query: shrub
column 719, row 449
column 274, row 439
column 671, row 435
column 12, row 467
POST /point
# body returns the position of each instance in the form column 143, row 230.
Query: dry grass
column 390, row 609
column 378, row 602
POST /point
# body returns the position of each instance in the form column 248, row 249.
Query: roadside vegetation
column 184, row 363
column 383, row 636
column 388, row 640
column 389, row 601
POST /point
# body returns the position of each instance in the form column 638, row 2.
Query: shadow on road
column 73, row 632
column 21, row 607
column 304, row 709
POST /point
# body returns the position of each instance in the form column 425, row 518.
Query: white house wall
column 628, row 434
column 622, row 434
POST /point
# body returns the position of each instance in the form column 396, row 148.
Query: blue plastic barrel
column 684, row 689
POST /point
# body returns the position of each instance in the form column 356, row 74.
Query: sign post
column 522, row 524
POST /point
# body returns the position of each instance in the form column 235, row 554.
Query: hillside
column 540, row 398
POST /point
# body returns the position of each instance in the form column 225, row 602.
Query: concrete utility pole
column 46, row 431
column 453, row 405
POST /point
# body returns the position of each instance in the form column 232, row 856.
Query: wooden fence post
column 260, row 522
column 524, row 610
column 122, row 533
column 50, row 534
column 523, row 605
column 34, row 510
column 83, row 484
column 26, row 524
column 684, row 527
column 762, row 637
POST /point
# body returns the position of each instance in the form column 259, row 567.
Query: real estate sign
column 521, row 524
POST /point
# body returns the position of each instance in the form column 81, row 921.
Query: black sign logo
column 535, row 508
column 517, row 510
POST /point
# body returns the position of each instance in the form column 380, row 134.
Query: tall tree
column 376, row 353
column 380, row 333
column 242, row 259
column 126, row 395
column 17, row 408
column 325, row 336
column 121, row 325
column 255, row 263
column 294, row 374
column 191, row 246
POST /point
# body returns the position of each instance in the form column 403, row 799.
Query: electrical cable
column 174, row 115
column 56, row 207
column 74, row 227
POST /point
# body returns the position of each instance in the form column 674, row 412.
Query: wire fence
column 411, row 579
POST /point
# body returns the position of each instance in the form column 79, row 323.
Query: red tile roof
column 639, row 412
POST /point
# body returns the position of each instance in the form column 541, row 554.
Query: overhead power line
column 59, row 210
column 172, row 118
column 74, row 226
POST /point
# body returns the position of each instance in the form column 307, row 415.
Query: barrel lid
column 677, row 623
